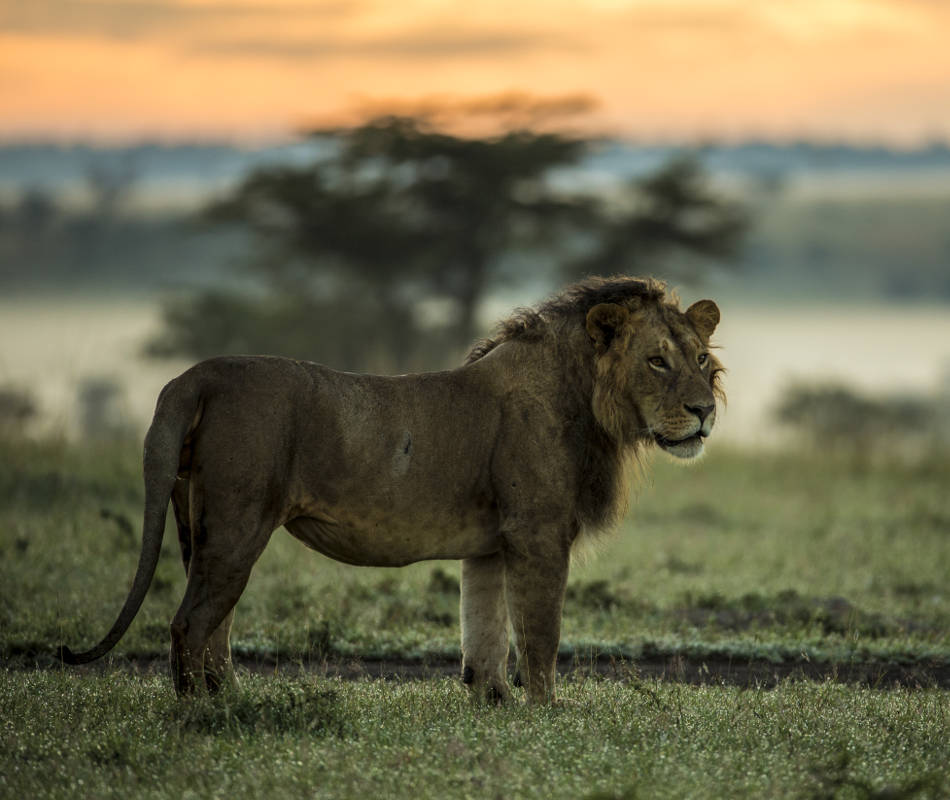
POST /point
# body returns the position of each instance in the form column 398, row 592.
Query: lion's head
column 647, row 366
column 655, row 377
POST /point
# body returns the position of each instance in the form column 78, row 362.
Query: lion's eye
column 702, row 358
column 658, row 362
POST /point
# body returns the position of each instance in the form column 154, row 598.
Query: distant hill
column 160, row 174
column 197, row 169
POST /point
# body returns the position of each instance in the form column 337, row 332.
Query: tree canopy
column 378, row 253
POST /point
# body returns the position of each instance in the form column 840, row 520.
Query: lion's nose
column 701, row 411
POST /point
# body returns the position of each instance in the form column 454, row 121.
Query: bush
column 17, row 408
column 837, row 418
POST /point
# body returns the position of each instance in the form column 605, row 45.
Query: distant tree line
column 93, row 240
column 379, row 254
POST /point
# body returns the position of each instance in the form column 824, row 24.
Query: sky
column 861, row 71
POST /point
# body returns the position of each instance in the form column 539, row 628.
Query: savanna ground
column 761, row 625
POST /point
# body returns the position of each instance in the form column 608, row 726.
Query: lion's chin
column 690, row 447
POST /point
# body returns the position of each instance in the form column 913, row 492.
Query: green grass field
column 797, row 561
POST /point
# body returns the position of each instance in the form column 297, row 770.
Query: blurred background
column 371, row 185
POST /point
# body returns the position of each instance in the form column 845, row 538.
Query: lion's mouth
column 665, row 442
column 687, row 447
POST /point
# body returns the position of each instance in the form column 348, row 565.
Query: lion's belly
column 378, row 544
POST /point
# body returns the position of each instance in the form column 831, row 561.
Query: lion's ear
column 604, row 322
column 703, row 315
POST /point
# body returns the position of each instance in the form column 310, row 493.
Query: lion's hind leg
column 223, row 554
column 218, row 668
column 484, row 627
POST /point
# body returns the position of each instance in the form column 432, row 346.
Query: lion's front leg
column 536, row 570
column 484, row 627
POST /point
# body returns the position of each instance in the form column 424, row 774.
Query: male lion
column 502, row 463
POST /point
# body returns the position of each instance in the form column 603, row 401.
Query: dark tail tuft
column 67, row 656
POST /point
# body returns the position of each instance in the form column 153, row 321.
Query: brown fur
column 502, row 463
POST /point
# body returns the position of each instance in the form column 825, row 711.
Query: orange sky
column 865, row 70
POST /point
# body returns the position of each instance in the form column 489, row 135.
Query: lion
column 504, row 463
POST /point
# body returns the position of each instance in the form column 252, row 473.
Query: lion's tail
column 176, row 415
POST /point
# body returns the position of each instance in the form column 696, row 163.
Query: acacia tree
column 672, row 211
column 478, row 199
column 400, row 213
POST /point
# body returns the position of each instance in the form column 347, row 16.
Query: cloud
column 512, row 109
column 120, row 19
column 419, row 45
column 286, row 30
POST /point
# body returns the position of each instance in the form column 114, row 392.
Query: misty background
column 389, row 246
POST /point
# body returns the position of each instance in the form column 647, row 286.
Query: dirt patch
column 767, row 674
column 674, row 668
column 671, row 668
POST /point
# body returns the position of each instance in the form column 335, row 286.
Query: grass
column 128, row 736
column 758, row 557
